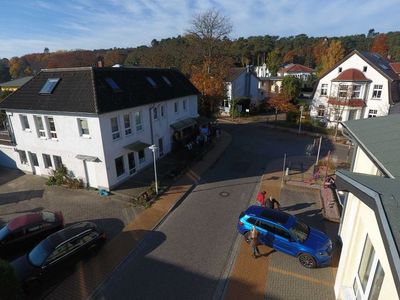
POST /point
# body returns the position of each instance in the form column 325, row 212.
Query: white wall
column 68, row 144
column 99, row 143
column 355, row 62
column 362, row 163
column 237, row 88
column 161, row 129
column 358, row 222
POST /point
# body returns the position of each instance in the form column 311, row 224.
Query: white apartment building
column 98, row 122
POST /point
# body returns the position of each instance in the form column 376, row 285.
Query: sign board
column 247, row 110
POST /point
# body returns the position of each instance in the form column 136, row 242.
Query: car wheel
column 307, row 260
column 247, row 237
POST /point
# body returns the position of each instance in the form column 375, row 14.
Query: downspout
column 151, row 125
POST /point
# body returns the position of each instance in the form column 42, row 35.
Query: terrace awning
column 137, row 146
column 183, row 124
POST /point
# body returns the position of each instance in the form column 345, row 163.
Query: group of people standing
column 268, row 202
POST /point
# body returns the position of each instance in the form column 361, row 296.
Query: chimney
column 100, row 61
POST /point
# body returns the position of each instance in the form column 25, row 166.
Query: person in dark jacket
column 272, row 203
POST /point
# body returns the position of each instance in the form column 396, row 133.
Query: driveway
column 21, row 193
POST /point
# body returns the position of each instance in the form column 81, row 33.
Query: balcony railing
column 346, row 102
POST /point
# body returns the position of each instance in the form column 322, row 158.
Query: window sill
column 117, row 139
column 84, row 136
column 27, row 130
column 42, row 138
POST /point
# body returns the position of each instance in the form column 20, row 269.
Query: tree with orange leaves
column 280, row 102
column 379, row 45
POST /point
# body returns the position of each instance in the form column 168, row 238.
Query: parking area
column 275, row 275
column 21, row 193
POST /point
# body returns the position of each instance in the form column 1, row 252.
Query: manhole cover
column 224, row 194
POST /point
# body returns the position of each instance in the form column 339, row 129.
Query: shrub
column 10, row 288
column 51, row 181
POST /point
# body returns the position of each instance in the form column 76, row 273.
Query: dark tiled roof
column 234, row 73
column 351, row 75
column 389, row 193
column 380, row 138
column 86, row 89
column 16, row 82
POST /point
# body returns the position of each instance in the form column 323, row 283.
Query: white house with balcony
column 362, row 85
column 98, row 122
column 369, row 265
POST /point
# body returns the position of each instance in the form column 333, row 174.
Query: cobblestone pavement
column 276, row 275
column 28, row 193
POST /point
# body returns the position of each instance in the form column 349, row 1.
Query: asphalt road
column 186, row 257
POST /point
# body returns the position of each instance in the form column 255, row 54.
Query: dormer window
column 151, row 81
column 166, row 80
column 112, row 84
column 49, row 86
column 340, row 69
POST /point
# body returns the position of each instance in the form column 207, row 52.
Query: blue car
column 283, row 232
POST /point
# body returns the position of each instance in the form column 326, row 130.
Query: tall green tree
column 291, row 87
column 273, row 62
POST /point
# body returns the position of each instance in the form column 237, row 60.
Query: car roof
column 269, row 214
column 24, row 220
column 69, row 232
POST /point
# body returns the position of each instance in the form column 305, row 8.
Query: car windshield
column 39, row 254
column 48, row 216
column 4, row 231
column 300, row 231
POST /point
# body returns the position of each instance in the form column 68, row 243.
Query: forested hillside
column 181, row 52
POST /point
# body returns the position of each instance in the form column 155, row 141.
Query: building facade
column 362, row 85
column 98, row 122
column 369, row 266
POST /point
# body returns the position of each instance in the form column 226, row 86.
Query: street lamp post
column 301, row 117
column 153, row 148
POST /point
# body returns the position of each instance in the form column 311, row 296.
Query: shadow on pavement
column 7, row 174
column 14, row 197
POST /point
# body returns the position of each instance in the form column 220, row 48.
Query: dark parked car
column 58, row 251
column 285, row 233
column 24, row 232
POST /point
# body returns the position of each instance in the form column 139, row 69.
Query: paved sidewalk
column 275, row 275
column 88, row 276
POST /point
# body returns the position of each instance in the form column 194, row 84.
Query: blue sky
column 29, row 26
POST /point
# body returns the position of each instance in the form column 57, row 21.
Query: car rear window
column 48, row 216
column 39, row 254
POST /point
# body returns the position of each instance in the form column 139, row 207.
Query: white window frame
column 132, row 169
column 23, row 157
column 372, row 113
column 184, row 105
column 162, row 111
column 25, row 126
column 324, row 89
column 138, row 121
column 321, row 110
column 48, row 164
column 142, row 160
column 81, row 128
column 52, row 133
column 357, row 286
column 59, row 163
column 123, row 166
column 155, row 113
column 127, row 124
column 41, row 132
column 356, row 91
column 116, row 135
column 377, row 91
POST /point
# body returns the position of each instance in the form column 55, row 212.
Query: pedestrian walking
column 254, row 241
column 261, row 198
column 272, row 203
